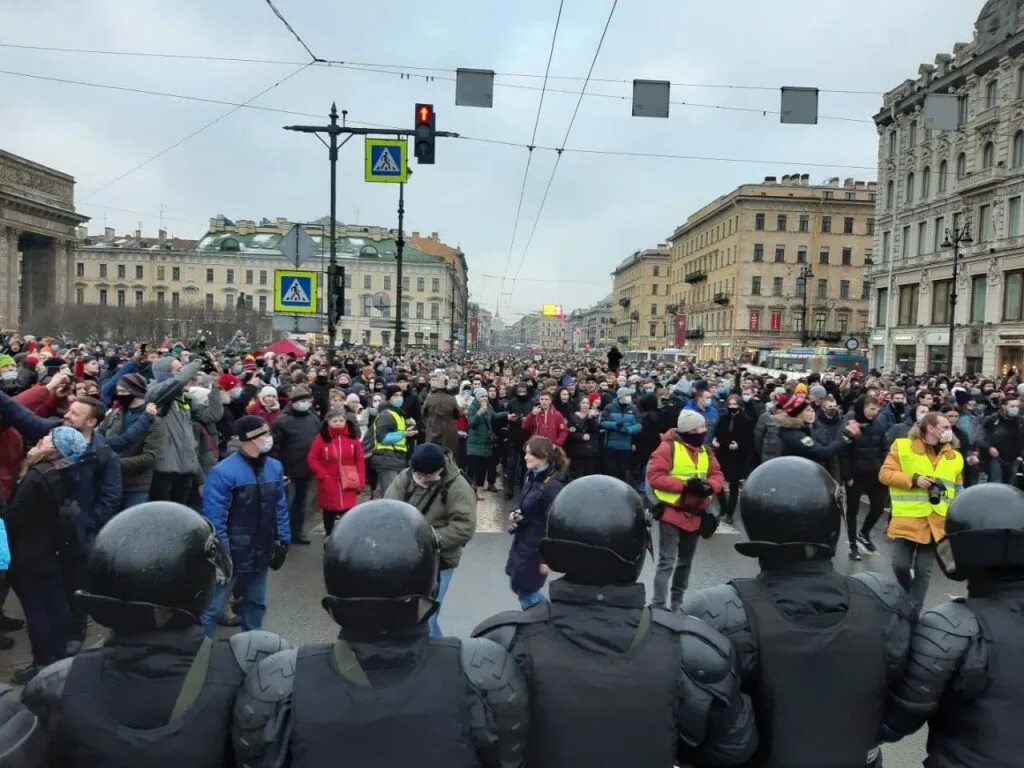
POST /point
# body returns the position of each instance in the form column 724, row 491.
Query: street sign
column 296, row 324
column 387, row 160
column 295, row 291
column 297, row 245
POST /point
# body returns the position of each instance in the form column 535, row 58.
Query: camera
column 937, row 491
column 517, row 518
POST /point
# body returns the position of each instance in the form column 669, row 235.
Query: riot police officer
column 22, row 743
column 158, row 693
column 612, row 682
column 818, row 650
column 385, row 692
column 965, row 677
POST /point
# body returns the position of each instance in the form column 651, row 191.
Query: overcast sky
column 600, row 208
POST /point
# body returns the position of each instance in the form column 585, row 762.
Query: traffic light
column 425, row 134
column 336, row 281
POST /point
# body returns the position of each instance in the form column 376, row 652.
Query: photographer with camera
column 683, row 475
column 923, row 472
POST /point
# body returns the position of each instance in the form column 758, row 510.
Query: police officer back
column 158, row 693
column 612, row 682
column 965, row 677
column 384, row 693
column 22, row 741
column 818, row 650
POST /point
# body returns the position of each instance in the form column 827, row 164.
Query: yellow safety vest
column 684, row 468
column 400, row 446
column 914, row 503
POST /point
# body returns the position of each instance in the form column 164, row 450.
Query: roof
column 137, row 243
column 265, row 246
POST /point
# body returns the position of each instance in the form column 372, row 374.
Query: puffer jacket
column 622, row 423
column 865, row 455
column 767, row 443
column 686, row 513
column 328, row 453
column 293, row 433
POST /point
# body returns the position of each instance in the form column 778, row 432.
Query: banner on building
column 680, row 331
column 776, row 321
column 473, row 327
column 755, row 320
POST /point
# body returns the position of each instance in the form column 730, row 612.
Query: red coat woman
column 335, row 447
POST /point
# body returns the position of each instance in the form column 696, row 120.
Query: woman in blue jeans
column 545, row 467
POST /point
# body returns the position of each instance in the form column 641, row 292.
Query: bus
column 806, row 360
column 671, row 355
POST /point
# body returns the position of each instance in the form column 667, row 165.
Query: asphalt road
column 479, row 588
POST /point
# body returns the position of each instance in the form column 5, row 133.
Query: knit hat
column 391, row 390
column 800, row 389
column 689, row 421
column 69, row 442
column 962, row 396
column 249, row 364
column 268, row 391
column 624, row 392
column 817, row 391
column 352, row 399
column 31, row 360
column 794, row 404
column 298, row 393
column 228, row 382
column 251, row 427
column 427, row 459
column 162, row 368
column 479, row 392
column 6, row 360
column 135, row 383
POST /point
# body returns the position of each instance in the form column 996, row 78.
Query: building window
column 961, row 111
column 991, row 93
column 405, row 286
column 758, row 252
column 938, row 234
column 209, row 275
column 823, row 256
column 922, row 237
column 120, row 276
column 822, row 290
column 103, row 296
column 805, row 223
column 848, row 225
column 847, row 257
column 367, row 304
column 781, row 222
column 263, row 305
column 984, row 223
column 842, row 322
column 120, row 298
column 1012, row 296
column 1017, row 150
column 161, row 299
column 940, row 301
column 798, row 322
column 348, row 279
column 759, row 221
column 175, row 299
column 138, row 272
column 161, row 273
column 263, row 277
column 882, row 308
column 755, row 285
column 892, row 143
column 435, row 285
column 248, row 277
column 988, row 155
column 889, row 187
column 1020, row 83
column 387, row 282
column 926, row 182
column 943, row 173
column 176, row 274
column 978, row 291
column 79, row 296
column 139, row 300
column 780, row 254
column 348, row 309
column 652, row 330
column 886, row 241
column 209, row 301
column 961, row 165
column 367, row 282
column 912, row 136
column 1013, row 217
column 801, row 254
column 230, row 277
column 654, row 310
column 655, row 272
column 905, row 243
column 908, row 304
column 435, row 311
column 79, row 269
column 865, row 289
column 826, row 223
column 776, row 286
column 819, row 321
column 103, row 270
column 957, row 219
column 419, row 310
column 420, row 283
column 868, row 253
column 654, row 290
column 908, row 192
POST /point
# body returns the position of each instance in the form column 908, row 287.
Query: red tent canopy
column 284, row 347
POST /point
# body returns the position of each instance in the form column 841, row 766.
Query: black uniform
column 384, row 693
column 965, row 677
column 818, row 651
column 22, row 742
column 612, row 682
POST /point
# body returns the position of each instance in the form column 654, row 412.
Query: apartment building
column 640, row 291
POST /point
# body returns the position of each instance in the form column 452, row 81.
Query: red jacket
column 42, row 402
column 550, row 424
column 684, row 515
column 326, row 456
column 256, row 408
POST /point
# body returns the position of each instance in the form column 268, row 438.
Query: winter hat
column 298, row 393
column 249, row 364
column 479, row 391
column 6, row 360
column 624, row 392
column 251, row 427
column 31, row 360
column 794, row 404
column 200, row 396
column 162, row 368
column 135, row 383
column 689, row 421
column 817, row 391
column 800, row 389
column 69, row 442
column 268, row 391
column 228, row 382
column 344, row 379
column 699, row 386
column 352, row 399
column 391, row 390
column 428, row 458
column 962, row 396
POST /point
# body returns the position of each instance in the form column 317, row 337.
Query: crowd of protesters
column 252, row 439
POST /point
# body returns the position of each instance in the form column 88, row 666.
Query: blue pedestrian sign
column 387, row 160
column 295, row 291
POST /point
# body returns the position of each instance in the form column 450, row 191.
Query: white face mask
column 267, row 444
column 946, row 437
column 303, row 405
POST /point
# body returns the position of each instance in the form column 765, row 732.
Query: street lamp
column 805, row 275
column 954, row 238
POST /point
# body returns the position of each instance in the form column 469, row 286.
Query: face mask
column 946, row 437
column 397, row 402
column 267, row 444
column 236, row 369
column 424, row 481
column 649, row 390
column 897, row 405
column 1012, row 411
column 626, row 400
column 696, row 439
column 723, row 391
column 9, row 376
column 830, row 409
column 124, row 399
column 235, row 394
column 734, row 409
column 747, row 398
column 303, row 405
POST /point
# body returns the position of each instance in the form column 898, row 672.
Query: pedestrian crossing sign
column 387, row 160
column 295, row 291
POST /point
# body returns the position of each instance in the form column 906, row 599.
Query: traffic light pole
column 400, row 244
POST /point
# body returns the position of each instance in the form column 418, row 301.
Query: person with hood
column 583, row 445
column 265, row 405
column 621, row 422
column 440, row 411
column 895, row 410
column 391, row 439
column 861, row 461
column 177, row 464
column 293, row 434
column 320, row 390
column 682, row 476
column 734, row 447
column 519, row 407
column 902, row 429
column 483, row 423
column 614, row 358
column 437, row 488
column 795, row 421
column 649, row 438
column 138, row 460
column 703, row 402
column 564, row 403
column 337, row 462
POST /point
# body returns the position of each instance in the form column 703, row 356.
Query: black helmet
column 597, row 532
column 22, row 739
column 153, row 566
column 381, row 567
column 790, row 509
column 984, row 531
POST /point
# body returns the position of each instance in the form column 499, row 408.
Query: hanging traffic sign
column 295, row 291
column 387, row 160
column 297, row 245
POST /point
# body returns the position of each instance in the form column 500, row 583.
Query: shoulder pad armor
column 953, row 618
column 502, row 687
column 888, row 592
column 45, row 689
column 268, row 686
column 706, row 655
column 485, row 663
column 250, row 648
column 535, row 615
column 719, row 606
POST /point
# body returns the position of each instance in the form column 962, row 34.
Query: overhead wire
column 313, row 57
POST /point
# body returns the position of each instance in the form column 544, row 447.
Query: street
column 479, row 588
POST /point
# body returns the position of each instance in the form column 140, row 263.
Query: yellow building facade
column 640, row 298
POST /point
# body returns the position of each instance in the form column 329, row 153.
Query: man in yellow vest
column 683, row 475
column 923, row 472
column 390, row 435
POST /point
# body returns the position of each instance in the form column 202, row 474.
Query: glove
column 699, row 487
column 708, row 524
column 278, row 558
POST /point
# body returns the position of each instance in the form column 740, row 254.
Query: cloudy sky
column 600, row 208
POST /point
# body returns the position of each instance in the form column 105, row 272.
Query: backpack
column 368, row 440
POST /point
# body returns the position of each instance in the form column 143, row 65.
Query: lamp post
column 805, row 275
column 955, row 237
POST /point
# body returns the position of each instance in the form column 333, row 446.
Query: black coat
column 866, row 454
column 293, row 435
column 575, row 446
column 739, row 427
column 523, row 564
column 33, row 522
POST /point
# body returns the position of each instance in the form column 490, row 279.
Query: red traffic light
column 424, row 113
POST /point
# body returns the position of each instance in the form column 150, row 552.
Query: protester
column 391, row 439
column 138, row 461
column 583, row 444
column 441, row 410
column 336, row 461
column 734, row 447
column 293, row 434
column 480, row 441
column 861, row 461
column 545, row 421
column 266, row 405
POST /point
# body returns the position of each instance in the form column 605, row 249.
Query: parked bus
column 806, row 360
column 670, row 355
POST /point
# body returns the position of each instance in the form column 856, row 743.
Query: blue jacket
column 523, row 564
column 109, row 385
column 621, row 422
column 710, row 415
column 245, row 501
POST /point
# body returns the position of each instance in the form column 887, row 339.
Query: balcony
column 695, row 334
column 980, row 180
column 985, row 118
column 696, row 276
column 828, row 337
column 624, row 301
column 634, row 315
column 721, row 299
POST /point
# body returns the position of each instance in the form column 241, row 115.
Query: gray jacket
column 178, row 453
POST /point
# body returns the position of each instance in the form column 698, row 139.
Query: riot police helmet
column 22, row 739
column 381, row 567
column 984, row 533
column 791, row 511
column 597, row 532
column 153, row 566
